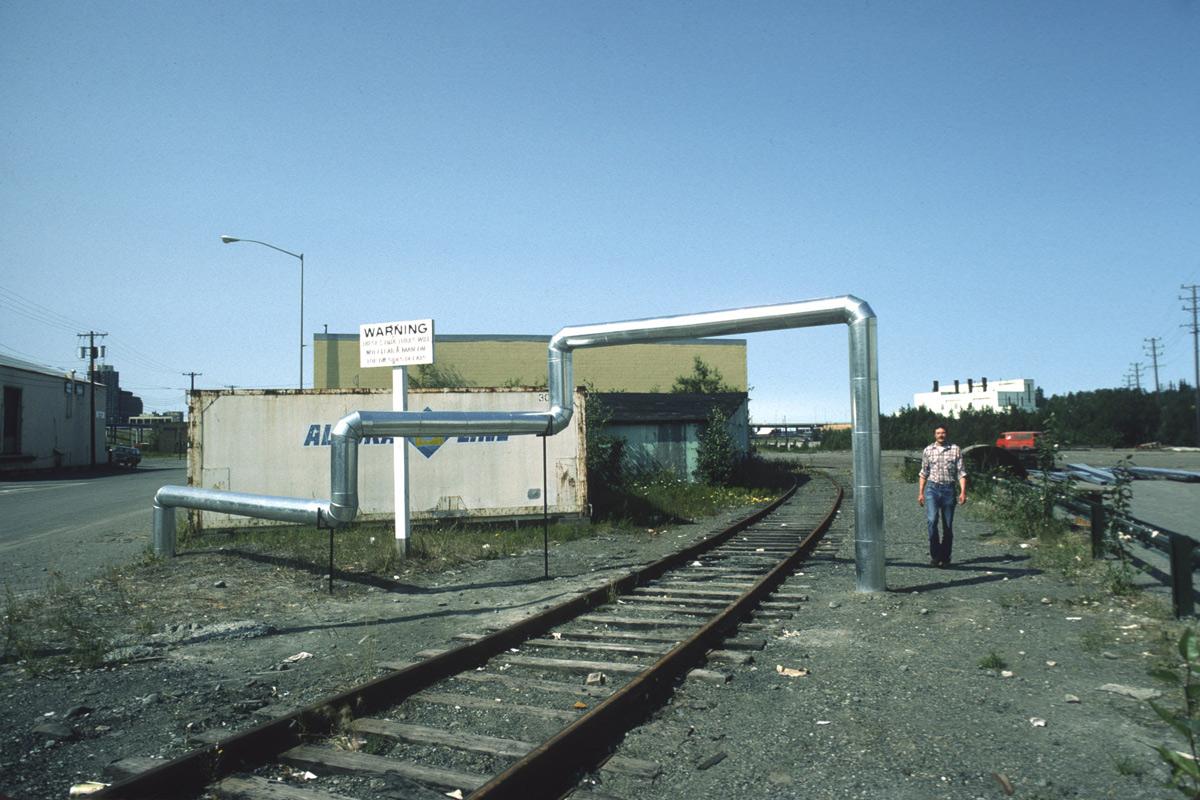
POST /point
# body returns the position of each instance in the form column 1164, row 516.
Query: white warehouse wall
column 276, row 442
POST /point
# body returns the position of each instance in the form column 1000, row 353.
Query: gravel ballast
column 980, row 680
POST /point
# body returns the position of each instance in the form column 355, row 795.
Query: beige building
column 484, row 360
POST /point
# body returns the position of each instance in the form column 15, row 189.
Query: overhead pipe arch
column 349, row 431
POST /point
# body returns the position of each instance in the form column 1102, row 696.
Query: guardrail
column 1180, row 549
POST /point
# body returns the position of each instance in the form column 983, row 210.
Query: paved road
column 77, row 525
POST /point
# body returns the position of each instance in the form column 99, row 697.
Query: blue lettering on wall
column 317, row 435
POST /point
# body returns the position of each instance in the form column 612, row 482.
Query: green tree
column 437, row 376
column 716, row 455
column 703, row 380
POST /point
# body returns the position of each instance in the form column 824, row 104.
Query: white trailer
column 276, row 442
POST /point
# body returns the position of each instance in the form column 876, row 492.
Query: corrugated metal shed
column 662, row 430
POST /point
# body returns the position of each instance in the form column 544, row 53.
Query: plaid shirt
column 942, row 463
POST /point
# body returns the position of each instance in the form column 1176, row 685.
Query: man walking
column 941, row 468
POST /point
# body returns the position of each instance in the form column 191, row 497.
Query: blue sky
column 1012, row 186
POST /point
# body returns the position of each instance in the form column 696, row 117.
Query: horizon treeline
column 1098, row 418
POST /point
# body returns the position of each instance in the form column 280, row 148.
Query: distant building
column 165, row 432
column 120, row 404
column 111, row 379
column 152, row 418
column 46, row 417
column 1002, row 395
column 129, row 405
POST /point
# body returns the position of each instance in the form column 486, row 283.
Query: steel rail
column 553, row 768
column 188, row 774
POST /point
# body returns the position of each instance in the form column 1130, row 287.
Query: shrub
column 716, row 456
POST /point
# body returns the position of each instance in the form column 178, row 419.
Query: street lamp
column 231, row 239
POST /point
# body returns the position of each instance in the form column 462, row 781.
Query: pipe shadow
column 994, row 574
column 387, row 584
column 439, row 614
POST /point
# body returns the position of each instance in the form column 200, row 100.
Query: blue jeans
column 939, row 502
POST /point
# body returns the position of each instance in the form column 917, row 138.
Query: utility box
column 276, row 442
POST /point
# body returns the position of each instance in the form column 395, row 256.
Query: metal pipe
column 864, row 390
column 342, row 506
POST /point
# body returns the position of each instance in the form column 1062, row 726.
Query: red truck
column 1019, row 440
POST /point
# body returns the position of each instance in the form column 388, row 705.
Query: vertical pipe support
column 869, row 554
column 1181, row 575
column 164, row 531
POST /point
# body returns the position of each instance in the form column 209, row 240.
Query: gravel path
column 895, row 703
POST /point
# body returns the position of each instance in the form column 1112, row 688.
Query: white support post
column 400, row 462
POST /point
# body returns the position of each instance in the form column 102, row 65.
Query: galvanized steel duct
column 864, row 389
column 350, row 430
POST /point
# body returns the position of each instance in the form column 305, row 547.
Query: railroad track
column 526, row 711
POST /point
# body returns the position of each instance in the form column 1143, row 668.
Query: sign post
column 398, row 345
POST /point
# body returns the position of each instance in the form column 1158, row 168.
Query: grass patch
column 69, row 626
column 1128, row 767
column 370, row 548
column 993, row 661
column 643, row 506
column 670, row 498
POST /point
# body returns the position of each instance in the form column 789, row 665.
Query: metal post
column 1098, row 525
column 163, row 527
column 545, row 516
column 302, row 322
column 1181, row 575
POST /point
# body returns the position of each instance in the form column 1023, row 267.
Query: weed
column 18, row 629
column 992, row 661
column 1119, row 578
column 1185, row 769
column 1094, row 640
column 1124, row 765
column 1064, row 551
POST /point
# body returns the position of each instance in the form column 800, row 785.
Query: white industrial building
column 952, row 399
column 47, row 419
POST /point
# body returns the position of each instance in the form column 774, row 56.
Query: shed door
column 672, row 448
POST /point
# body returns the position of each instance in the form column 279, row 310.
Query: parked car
column 124, row 456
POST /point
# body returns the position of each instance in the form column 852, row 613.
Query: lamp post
column 232, row 239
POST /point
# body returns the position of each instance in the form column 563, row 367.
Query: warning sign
column 395, row 344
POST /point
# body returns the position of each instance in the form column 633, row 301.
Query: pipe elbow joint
column 349, row 427
column 557, row 418
column 338, row 514
column 857, row 309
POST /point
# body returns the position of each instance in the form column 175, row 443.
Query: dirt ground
column 973, row 681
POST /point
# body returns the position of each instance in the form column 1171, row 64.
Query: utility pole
column 192, row 390
column 1134, row 376
column 1154, row 351
column 1195, row 309
column 90, row 352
